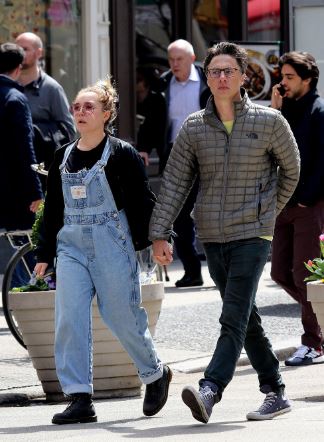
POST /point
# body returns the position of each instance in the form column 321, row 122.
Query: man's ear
column 40, row 53
column 16, row 73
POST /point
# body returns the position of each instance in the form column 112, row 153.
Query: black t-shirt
column 84, row 159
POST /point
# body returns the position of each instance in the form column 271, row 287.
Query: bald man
column 47, row 100
column 186, row 91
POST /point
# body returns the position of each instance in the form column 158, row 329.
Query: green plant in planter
column 37, row 224
column 48, row 281
column 316, row 265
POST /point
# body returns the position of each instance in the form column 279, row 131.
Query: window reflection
column 58, row 24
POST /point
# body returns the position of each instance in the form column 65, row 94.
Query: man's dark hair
column 227, row 48
column 303, row 63
column 11, row 56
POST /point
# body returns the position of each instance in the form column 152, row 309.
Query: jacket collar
column 9, row 82
column 303, row 101
column 240, row 107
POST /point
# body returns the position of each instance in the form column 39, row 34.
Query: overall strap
column 101, row 164
column 66, row 154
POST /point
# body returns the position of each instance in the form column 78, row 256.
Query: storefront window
column 58, row 24
column 153, row 34
column 263, row 20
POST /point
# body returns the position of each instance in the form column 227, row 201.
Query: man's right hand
column 162, row 252
column 276, row 98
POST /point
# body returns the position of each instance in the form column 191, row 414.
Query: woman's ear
column 107, row 115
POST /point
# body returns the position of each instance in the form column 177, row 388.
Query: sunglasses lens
column 88, row 107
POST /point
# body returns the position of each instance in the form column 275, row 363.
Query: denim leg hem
column 151, row 377
column 78, row 388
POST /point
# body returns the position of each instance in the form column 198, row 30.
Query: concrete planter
column 315, row 294
column 114, row 372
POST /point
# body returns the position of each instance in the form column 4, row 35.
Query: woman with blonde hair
column 96, row 214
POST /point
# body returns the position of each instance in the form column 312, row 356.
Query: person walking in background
column 151, row 112
column 21, row 189
column 53, row 122
column 97, row 194
column 186, row 91
column 248, row 163
column 296, row 238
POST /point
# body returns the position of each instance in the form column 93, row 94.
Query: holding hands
column 162, row 252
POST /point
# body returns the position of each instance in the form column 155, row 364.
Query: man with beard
column 298, row 226
column 52, row 119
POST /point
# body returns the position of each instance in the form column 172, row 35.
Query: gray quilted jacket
column 246, row 178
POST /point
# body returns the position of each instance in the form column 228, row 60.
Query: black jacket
column 306, row 119
column 19, row 184
column 127, row 179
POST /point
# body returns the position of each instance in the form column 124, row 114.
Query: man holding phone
column 298, row 226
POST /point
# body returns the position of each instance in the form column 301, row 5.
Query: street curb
column 20, row 399
column 200, row 364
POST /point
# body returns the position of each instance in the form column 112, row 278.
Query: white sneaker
column 305, row 356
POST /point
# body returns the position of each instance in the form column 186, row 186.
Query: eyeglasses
column 85, row 107
column 216, row 73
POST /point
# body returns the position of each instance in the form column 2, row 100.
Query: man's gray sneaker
column 274, row 404
column 200, row 402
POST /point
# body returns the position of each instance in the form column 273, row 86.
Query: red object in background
column 260, row 8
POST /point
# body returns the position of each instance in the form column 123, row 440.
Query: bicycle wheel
column 18, row 272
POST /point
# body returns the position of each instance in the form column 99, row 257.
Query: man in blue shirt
column 186, row 91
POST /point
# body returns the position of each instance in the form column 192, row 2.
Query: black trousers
column 185, row 242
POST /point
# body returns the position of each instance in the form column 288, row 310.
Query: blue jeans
column 236, row 267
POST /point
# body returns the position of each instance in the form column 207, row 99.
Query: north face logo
column 252, row 135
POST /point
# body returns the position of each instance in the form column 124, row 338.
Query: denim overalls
column 95, row 255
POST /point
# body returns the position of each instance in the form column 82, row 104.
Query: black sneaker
column 305, row 356
column 200, row 402
column 274, row 404
column 156, row 393
column 79, row 410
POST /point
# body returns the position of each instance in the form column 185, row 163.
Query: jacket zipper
column 225, row 174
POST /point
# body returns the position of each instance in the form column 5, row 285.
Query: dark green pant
column 236, row 267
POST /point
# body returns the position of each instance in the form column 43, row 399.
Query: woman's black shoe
column 156, row 393
column 79, row 410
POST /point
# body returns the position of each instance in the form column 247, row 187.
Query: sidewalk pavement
column 120, row 419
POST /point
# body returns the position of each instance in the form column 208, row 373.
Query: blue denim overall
column 95, row 255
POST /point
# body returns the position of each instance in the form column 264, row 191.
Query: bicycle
column 19, row 271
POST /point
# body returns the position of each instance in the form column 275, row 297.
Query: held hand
column 162, row 252
column 34, row 205
column 145, row 157
column 40, row 269
column 276, row 98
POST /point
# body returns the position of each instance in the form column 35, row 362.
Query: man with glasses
column 248, row 164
